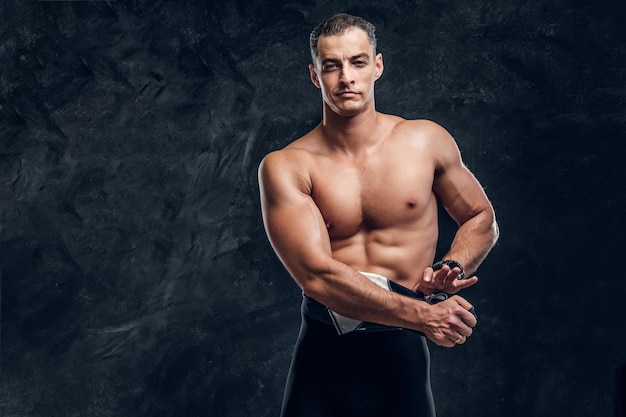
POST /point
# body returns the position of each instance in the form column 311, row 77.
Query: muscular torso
column 379, row 208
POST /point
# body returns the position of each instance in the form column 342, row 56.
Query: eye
column 330, row 67
column 360, row 63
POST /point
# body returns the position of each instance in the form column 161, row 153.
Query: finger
column 441, row 275
column 455, row 272
column 468, row 318
column 428, row 274
column 466, row 332
column 460, row 340
column 460, row 329
column 464, row 314
column 440, row 339
column 452, row 276
column 460, row 284
column 447, row 343
column 461, row 301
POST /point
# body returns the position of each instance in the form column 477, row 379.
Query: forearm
column 349, row 293
column 473, row 241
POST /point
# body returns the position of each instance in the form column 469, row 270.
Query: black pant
column 360, row 374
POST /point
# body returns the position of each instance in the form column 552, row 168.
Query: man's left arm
column 464, row 199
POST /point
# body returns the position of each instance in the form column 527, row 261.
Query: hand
column 449, row 323
column 445, row 280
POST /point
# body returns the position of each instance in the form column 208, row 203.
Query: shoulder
column 428, row 136
column 284, row 163
column 288, row 168
column 296, row 155
column 423, row 129
column 291, row 157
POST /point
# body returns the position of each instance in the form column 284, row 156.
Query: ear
column 314, row 77
column 380, row 67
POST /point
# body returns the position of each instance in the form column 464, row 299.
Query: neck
column 351, row 133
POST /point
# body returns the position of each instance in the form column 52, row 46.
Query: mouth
column 347, row 94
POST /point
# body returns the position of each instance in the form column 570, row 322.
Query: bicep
column 460, row 193
column 292, row 220
column 456, row 187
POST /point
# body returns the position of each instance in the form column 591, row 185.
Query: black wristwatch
column 452, row 264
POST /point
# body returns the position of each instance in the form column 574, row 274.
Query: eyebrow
column 362, row 55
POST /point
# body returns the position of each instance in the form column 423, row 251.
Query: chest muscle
column 373, row 196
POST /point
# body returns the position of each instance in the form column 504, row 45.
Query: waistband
column 343, row 324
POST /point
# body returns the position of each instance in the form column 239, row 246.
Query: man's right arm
column 298, row 234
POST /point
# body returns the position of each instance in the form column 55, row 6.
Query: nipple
column 411, row 203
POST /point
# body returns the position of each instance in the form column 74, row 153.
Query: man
column 351, row 210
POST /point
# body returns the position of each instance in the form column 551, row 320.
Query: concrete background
column 136, row 276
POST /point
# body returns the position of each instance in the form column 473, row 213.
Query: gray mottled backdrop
column 136, row 276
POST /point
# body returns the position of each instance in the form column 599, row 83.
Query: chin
column 349, row 110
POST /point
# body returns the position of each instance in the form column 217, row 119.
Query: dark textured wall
column 136, row 276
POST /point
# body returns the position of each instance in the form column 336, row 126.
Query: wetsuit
column 372, row 371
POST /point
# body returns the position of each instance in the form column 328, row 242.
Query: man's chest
column 376, row 195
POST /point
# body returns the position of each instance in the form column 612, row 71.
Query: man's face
column 346, row 70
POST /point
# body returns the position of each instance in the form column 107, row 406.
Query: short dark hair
column 337, row 25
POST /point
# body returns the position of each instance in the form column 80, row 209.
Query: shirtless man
column 351, row 211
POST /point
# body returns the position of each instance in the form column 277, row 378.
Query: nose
column 347, row 76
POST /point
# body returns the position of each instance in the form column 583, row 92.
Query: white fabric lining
column 345, row 324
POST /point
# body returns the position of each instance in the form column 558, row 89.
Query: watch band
column 452, row 264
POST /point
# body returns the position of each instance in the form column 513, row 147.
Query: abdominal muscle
column 395, row 254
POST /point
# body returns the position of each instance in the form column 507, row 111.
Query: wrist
column 417, row 313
